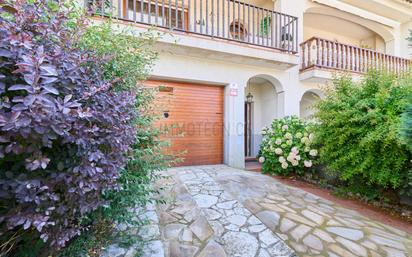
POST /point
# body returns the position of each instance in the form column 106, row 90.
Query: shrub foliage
column 67, row 127
column 406, row 128
column 358, row 129
column 406, row 125
column 287, row 146
column 131, row 56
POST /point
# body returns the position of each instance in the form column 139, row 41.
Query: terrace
column 229, row 20
column 326, row 54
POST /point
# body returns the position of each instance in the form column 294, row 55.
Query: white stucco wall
column 264, row 106
column 406, row 50
column 307, row 105
column 370, row 40
column 311, row 32
column 205, row 68
column 171, row 66
column 194, row 58
column 264, row 110
column 268, row 104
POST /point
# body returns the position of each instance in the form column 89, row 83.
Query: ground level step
column 250, row 159
column 253, row 166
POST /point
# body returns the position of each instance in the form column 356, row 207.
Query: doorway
column 261, row 108
column 248, row 129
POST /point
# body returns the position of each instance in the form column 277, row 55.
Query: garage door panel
column 190, row 94
column 198, row 117
column 202, row 107
column 194, row 125
column 189, row 145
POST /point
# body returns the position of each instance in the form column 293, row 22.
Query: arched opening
column 349, row 29
column 263, row 103
column 322, row 25
column 307, row 102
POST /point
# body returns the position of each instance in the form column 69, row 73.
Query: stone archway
column 266, row 105
column 383, row 33
column 307, row 102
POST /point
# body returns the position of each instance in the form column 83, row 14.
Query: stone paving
column 218, row 211
column 148, row 233
column 201, row 219
column 311, row 225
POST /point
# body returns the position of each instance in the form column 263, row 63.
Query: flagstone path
column 219, row 211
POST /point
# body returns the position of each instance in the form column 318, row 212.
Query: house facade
column 227, row 68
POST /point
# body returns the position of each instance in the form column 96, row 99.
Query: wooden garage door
column 193, row 121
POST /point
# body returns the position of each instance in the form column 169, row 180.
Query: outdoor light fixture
column 249, row 98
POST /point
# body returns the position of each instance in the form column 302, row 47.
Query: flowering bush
column 287, row 146
column 66, row 128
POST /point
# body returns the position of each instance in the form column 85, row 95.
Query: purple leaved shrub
column 64, row 131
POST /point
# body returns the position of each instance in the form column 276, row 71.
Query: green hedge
column 405, row 129
column 358, row 130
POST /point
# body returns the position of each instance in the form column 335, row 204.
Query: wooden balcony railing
column 323, row 53
column 227, row 19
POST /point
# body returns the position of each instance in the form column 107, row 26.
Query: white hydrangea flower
column 297, row 157
column 261, row 159
column 278, row 151
column 285, row 127
column 304, row 140
column 313, row 152
column 307, row 163
column 290, row 157
column 289, row 142
column 298, row 135
column 282, row 159
column 311, row 136
column 295, row 163
column 295, row 150
column 285, row 165
column 278, row 141
column 288, row 136
column 307, row 149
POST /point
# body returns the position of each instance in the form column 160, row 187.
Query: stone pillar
column 406, row 50
column 234, row 153
column 291, row 84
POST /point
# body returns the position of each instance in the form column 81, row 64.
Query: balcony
column 321, row 56
column 229, row 20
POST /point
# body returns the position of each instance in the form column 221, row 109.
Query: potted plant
column 286, row 39
column 265, row 25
